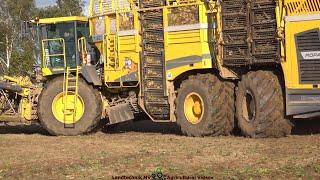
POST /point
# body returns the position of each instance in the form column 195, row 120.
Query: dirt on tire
column 88, row 122
column 218, row 97
column 269, row 112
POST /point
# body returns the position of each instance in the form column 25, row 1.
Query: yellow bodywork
column 61, row 19
column 186, row 45
column 302, row 11
column 290, row 66
column 29, row 91
column 183, row 43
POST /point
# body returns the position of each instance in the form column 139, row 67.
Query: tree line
column 17, row 56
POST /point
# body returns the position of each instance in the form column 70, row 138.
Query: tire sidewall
column 270, row 120
column 55, row 127
column 247, row 127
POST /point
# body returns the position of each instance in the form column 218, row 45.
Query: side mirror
column 26, row 27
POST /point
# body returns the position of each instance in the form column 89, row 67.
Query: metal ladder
column 70, row 87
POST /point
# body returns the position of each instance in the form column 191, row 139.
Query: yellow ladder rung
column 70, row 108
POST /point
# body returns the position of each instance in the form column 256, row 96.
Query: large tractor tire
column 260, row 106
column 50, row 109
column 205, row 106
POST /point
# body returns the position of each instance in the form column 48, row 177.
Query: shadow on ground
column 19, row 128
column 143, row 125
column 306, row 126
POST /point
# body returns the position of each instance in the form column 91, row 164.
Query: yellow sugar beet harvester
column 200, row 63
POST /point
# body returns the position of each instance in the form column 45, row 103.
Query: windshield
column 59, row 44
column 82, row 29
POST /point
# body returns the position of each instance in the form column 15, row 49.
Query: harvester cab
column 62, row 43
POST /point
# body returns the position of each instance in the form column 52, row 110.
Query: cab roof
column 62, row 19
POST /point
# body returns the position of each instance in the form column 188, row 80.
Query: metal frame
column 45, row 55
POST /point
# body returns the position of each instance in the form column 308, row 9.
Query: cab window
column 52, row 35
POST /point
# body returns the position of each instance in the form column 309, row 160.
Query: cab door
column 53, row 49
column 59, row 46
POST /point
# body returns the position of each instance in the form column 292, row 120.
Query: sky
column 45, row 3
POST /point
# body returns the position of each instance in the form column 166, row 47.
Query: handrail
column 46, row 55
column 82, row 49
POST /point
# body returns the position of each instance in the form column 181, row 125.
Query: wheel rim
column 249, row 107
column 193, row 108
column 58, row 108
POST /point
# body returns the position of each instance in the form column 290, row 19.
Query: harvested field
column 29, row 152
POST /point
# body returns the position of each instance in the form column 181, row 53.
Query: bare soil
column 137, row 149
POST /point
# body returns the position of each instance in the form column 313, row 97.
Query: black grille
column 308, row 49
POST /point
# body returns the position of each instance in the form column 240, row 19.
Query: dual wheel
column 205, row 106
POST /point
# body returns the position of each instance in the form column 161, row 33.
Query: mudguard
column 90, row 74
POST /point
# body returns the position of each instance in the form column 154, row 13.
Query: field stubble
column 139, row 148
